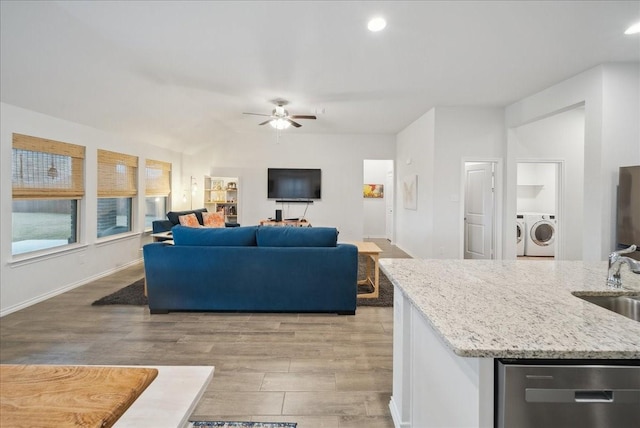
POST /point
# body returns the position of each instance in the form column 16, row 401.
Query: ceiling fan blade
column 265, row 122
column 258, row 114
column 302, row 116
column 296, row 124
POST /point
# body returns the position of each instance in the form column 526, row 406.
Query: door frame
column 559, row 200
column 497, row 204
column 390, row 193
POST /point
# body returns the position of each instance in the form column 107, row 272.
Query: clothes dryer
column 520, row 234
column 541, row 235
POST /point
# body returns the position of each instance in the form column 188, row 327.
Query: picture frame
column 375, row 191
column 410, row 192
column 217, row 184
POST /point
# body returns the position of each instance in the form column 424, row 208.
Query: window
column 117, row 186
column 47, row 179
column 157, row 190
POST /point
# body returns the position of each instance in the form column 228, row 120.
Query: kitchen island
column 453, row 318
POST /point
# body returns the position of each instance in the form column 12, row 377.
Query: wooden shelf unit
column 221, row 194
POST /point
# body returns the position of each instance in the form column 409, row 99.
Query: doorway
column 378, row 199
column 480, row 209
column 539, row 189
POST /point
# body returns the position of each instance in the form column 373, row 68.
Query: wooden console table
column 291, row 223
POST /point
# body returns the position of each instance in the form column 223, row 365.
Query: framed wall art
column 410, row 192
column 373, row 191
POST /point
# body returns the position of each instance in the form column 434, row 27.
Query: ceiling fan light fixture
column 279, row 123
column 634, row 29
column 377, row 24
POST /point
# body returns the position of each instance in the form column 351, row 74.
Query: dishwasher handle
column 557, row 395
column 590, row 396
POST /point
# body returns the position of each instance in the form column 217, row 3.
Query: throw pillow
column 189, row 220
column 213, row 219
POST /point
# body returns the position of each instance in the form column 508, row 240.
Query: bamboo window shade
column 46, row 169
column 117, row 175
column 158, row 178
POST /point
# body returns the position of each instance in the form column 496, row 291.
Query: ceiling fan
column 280, row 118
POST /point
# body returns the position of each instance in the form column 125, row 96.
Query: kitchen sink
column 629, row 306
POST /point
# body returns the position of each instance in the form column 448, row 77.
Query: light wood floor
column 313, row 369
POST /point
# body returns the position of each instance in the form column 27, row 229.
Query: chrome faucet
column 616, row 260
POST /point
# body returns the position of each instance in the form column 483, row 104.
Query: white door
column 388, row 195
column 478, row 211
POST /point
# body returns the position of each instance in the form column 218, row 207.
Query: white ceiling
column 180, row 74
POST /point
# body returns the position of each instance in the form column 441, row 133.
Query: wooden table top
column 68, row 396
column 367, row 247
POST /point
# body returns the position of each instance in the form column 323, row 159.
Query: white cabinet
column 221, row 194
column 432, row 386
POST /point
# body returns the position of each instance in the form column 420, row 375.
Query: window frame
column 47, row 183
column 117, row 178
column 158, row 186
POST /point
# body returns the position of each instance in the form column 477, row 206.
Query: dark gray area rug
column 133, row 294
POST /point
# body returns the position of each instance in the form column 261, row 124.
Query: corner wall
column 462, row 133
column 415, row 148
column 434, row 147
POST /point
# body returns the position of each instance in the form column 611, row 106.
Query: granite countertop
column 519, row 309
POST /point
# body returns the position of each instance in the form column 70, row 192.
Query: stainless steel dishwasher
column 567, row 394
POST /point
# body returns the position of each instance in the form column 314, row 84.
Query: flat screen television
column 294, row 183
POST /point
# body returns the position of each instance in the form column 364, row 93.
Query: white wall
column 560, row 138
column 25, row 280
column 537, row 188
column 415, row 146
column 611, row 96
column 462, row 133
column 436, row 144
column 340, row 157
column 374, row 209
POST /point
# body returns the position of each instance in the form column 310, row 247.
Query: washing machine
column 520, row 234
column 541, row 235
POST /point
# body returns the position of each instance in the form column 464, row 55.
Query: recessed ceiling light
column 377, row 24
column 634, row 29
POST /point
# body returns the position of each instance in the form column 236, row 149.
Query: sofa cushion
column 272, row 236
column 215, row 237
column 160, row 226
column 173, row 216
column 189, row 220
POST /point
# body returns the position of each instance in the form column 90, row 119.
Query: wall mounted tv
column 294, row 183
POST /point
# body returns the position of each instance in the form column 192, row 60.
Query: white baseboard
column 66, row 288
column 395, row 415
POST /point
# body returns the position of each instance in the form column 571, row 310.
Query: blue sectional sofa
column 252, row 269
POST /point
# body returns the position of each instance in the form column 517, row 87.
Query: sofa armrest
column 160, row 226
